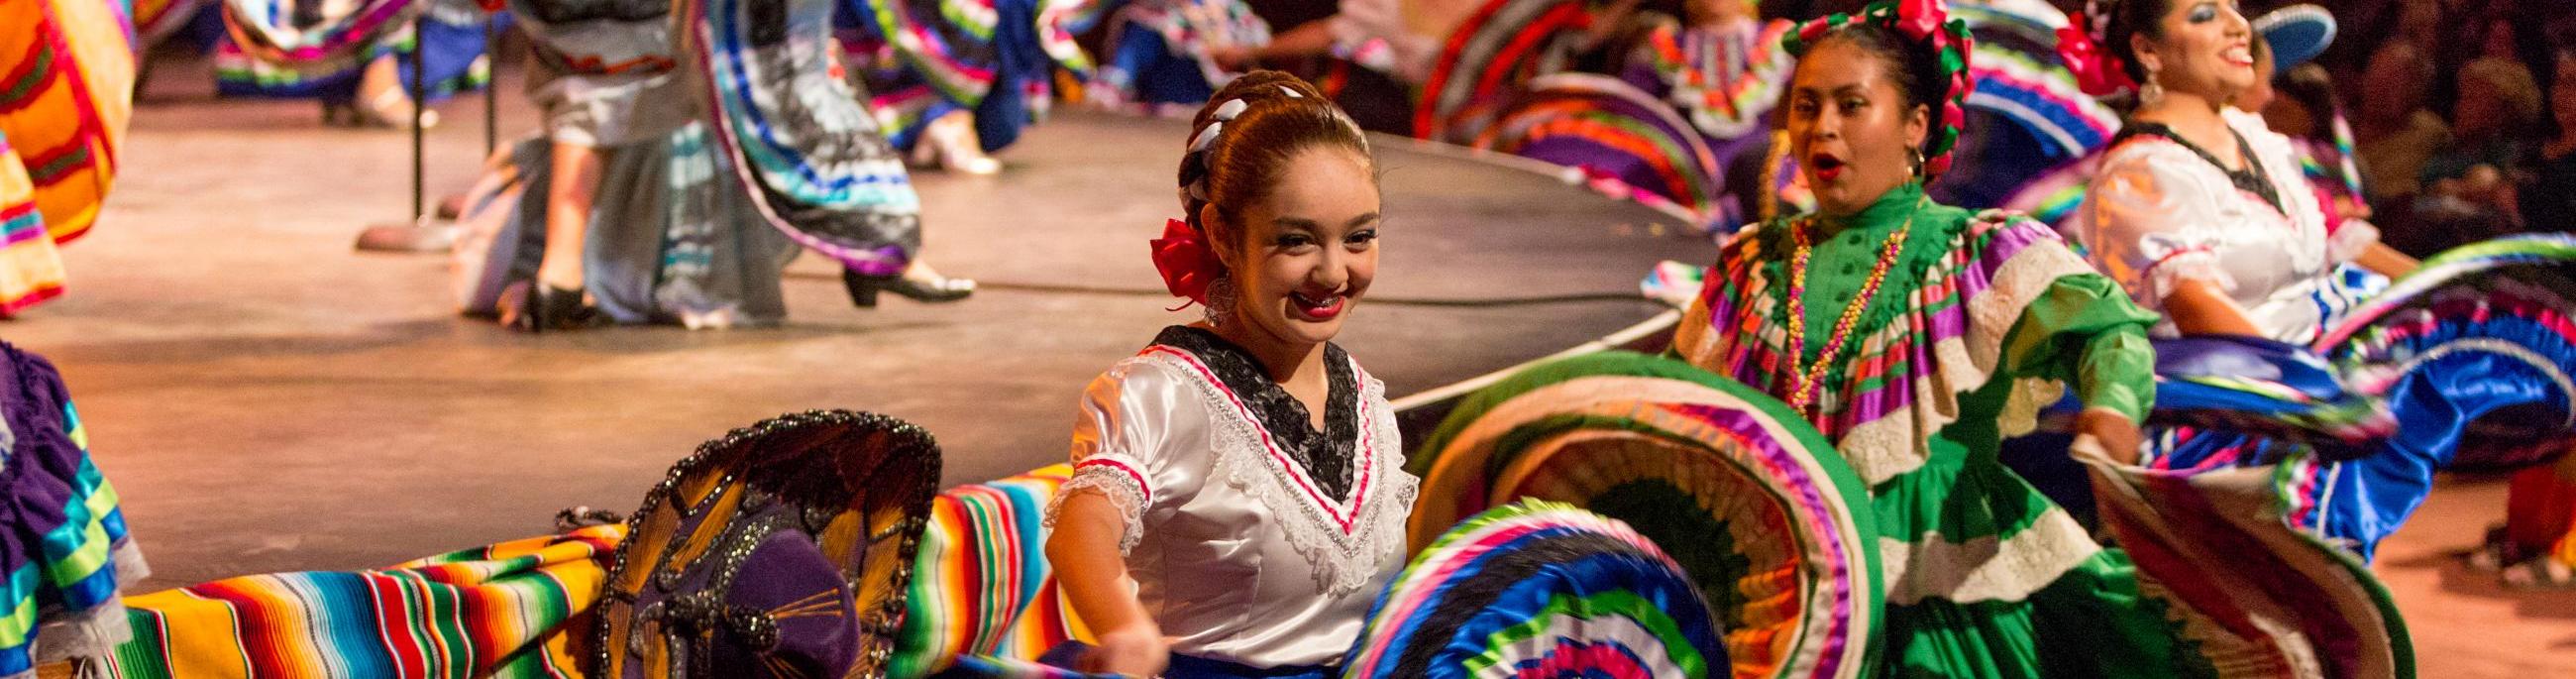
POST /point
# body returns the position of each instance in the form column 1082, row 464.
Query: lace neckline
column 1326, row 455
column 2253, row 178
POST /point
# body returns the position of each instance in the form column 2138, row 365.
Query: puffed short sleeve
column 1119, row 435
column 2152, row 223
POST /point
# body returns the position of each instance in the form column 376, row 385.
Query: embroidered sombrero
column 2296, row 34
column 1767, row 521
column 780, row 550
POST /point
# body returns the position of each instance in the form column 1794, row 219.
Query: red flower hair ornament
column 1187, row 264
column 2096, row 69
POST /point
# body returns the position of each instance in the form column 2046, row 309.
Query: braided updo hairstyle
column 1281, row 117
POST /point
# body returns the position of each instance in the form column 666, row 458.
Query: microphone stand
column 422, row 234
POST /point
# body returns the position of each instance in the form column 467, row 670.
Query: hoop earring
column 1914, row 156
column 1219, row 307
column 2150, row 92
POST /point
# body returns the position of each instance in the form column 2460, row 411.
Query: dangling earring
column 1219, row 307
column 1914, row 156
column 2150, row 92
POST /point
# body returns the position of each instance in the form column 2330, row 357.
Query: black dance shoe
column 864, row 288
column 546, row 308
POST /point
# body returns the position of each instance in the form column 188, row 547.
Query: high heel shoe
column 390, row 109
column 864, row 288
column 949, row 143
column 338, row 114
column 545, row 308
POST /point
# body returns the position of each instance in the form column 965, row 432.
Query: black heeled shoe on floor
column 546, row 308
column 864, row 288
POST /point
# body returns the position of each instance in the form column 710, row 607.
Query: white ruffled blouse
column 2159, row 213
column 1237, row 549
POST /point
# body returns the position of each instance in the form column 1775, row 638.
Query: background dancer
column 1859, row 316
column 364, row 79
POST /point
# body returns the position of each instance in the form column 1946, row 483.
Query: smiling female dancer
column 1238, row 499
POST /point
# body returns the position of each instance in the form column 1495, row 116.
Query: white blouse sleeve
column 2151, row 224
column 1117, row 441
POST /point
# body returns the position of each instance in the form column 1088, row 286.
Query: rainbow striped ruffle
column 955, row 44
column 260, row 29
column 2020, row 77
column 1490, row 58
column 1723, row 105
column 31, row 269
column 65, row 553
column 994, row 58
column 2464, row 364
column 1775, row 531
column 1539, row 589
column 1627, row 144
column 2460, row 329
column 815, row 165
column 450, row 41
column 66, row 81
column 2255, row 597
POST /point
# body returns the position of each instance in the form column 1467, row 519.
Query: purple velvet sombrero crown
column 780, row 550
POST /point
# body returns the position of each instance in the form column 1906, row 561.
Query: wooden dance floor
column 265, row 399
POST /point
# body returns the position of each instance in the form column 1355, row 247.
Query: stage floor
column 265, row 399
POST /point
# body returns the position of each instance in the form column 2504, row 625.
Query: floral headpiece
column 2080, row 45
column 1928, row 25
column 1182, row 255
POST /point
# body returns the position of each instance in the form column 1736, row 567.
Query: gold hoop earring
column 2150, row 92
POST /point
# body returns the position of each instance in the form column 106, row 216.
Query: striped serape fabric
column 498, row 611
column 981, row 587
column 980, row 583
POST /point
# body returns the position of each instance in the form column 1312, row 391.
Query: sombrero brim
column 2296, row 33
column 856, row 486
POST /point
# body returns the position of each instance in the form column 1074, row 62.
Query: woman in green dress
column 1917, row 336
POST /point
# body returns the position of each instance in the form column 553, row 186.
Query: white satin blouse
column 2158, row 214
column 1235, row 550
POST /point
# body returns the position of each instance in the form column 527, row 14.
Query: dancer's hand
column 1234, row 58
column 2119, row 437
column 1135, row 651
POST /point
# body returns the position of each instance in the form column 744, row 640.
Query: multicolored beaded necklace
column 1807, row 380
